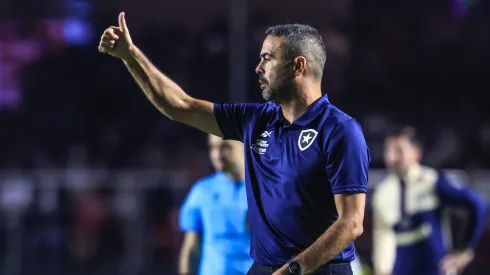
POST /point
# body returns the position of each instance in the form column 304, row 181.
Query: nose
column 259, row 69
column 390, row 157
column 395, row 160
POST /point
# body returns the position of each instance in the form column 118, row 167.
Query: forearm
column 476, row 223
column 384, row 250
column 384, row 253
column 165, row 94
column 186, row 263
column 330, row 244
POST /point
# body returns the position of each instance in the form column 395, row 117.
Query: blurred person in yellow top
column 411, row 234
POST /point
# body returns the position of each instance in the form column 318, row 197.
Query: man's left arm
column 345, row 230
column 348, row 160
column 452, row 194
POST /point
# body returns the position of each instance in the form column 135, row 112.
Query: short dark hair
column 302, row 40
column 406, row 131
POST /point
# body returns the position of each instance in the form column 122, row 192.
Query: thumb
column 122, row 23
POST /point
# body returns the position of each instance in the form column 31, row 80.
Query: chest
column 409, row 200
column 286, row 151
column 224, row 211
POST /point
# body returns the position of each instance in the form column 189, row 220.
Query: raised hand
column 116, row 41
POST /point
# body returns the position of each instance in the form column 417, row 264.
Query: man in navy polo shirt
column 306, row 161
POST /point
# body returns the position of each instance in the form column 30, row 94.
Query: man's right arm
column 384, row 243
column 168, row 97
column 190, row 222
column 225, row 120
column 190, row 253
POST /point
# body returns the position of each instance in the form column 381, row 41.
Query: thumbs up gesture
column 116, row 41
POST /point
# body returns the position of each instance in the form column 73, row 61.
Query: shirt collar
column 313, row 111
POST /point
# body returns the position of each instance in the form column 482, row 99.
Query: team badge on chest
column 306, row 138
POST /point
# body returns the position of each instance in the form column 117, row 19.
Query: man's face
column 214, row 145
column 231, row 154
column 400, row 154
column 275, row 73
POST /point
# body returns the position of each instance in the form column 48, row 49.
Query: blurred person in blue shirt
column 214, row 216
column 410, row 211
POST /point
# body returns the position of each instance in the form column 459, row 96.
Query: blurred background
column 92, row 176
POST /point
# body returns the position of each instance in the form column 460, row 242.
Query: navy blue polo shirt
column 293, row 172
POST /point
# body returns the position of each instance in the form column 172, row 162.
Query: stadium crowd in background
column 78, row 110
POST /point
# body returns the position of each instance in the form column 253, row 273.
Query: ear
column 299, row 65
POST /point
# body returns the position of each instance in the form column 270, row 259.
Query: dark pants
column 331, row 269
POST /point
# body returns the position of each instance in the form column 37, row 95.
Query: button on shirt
column 293, row 172
column 216, row 208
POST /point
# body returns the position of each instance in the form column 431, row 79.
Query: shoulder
column 334, row 116
column 387, row 186
column 250, row 111
column 346, row 134
column 203, row 184
column 247, row 108
column 452, row 180
column 267, row 111
column 430, row 175
column 335, row 121
column 269, row 107
column 261, row 113
column 199, row 191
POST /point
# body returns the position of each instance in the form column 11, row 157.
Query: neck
column 235, row 175
column 297, row 105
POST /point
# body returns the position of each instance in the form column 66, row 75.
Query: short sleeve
column 348, row 158
column 190, row 219
column 233, row 119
